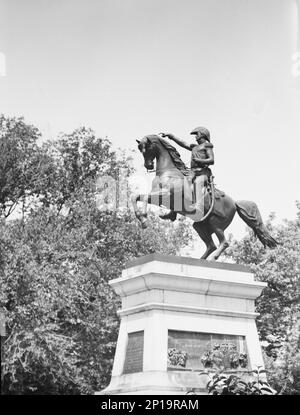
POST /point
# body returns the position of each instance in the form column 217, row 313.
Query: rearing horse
column 172, row 188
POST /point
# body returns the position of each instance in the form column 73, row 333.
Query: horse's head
column 153, row 146
column 148, row 147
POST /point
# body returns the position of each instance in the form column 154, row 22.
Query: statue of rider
column 202, row 157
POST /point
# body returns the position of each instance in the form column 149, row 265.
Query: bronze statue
column 172, row 186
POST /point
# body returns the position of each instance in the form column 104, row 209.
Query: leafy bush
column 225, row 384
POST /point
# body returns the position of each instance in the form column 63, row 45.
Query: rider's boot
column 199, row 191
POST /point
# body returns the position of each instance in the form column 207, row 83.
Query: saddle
column 210, row 188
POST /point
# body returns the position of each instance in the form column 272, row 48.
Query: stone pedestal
column 186, row 304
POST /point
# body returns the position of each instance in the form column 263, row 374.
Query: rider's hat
column 203, row 132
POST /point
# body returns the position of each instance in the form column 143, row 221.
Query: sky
column 127, row 68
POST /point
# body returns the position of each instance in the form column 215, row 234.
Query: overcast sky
column 128, row 68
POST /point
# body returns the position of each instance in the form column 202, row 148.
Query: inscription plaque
column 134, row 353
column 199, row 347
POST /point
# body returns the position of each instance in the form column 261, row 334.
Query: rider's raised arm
column 178, row 141
column 182, row 143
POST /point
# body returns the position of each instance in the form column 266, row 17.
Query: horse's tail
column 250, row 214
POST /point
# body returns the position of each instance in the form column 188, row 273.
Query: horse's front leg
column 141, row 214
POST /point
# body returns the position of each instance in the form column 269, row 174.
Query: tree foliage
column 56, row 262
column 20, row 162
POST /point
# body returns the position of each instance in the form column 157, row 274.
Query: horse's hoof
column 211, row 258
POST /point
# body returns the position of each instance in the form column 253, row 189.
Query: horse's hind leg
column 205, row 234
column 223, row 244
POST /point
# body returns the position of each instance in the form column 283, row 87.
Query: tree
column 61, row 312
column 77, row 160
column 55, row 265
column 53, row 172
column 284, row 370
column 20, row 163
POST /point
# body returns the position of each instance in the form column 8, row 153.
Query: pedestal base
column 185, row 304
column 157, row 383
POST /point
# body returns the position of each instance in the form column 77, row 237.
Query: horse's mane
column 173, row 153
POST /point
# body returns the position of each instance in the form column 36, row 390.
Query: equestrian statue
column 192, row 193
